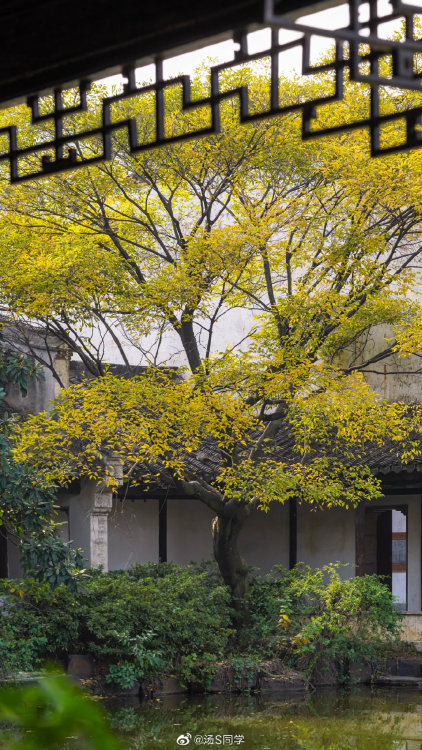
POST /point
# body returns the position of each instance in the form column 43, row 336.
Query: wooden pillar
column 292, row 532
column 360, row 540
column 162, row 530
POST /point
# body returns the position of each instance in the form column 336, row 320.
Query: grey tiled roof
column 381, row 459
column 78, row 371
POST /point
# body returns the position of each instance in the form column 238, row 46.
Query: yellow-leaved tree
column 288, row 252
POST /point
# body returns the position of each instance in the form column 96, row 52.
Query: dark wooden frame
column 360, row 538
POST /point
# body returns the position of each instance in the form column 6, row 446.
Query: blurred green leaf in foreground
column 51, row 712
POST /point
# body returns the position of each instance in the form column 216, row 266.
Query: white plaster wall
column 398, row 588
column 325, row 536
column 76, row 530
column 79, row 507
column 230, row 329
column 188, row 531
column 236, row 324
column 398, row 521
column 42, row 390
column 132, row 533
column 264, row 540
column 396, row 387
column 40, row 394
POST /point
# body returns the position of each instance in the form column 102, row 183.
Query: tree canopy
column 310, row 245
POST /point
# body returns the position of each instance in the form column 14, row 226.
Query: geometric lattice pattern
column 361, row 52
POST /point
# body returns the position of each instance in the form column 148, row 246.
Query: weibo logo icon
column 184, row 739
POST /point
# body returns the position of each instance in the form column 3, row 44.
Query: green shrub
column 328, row 623
column 145, row 661
column 123, row 674
column 159, row 618
column 37, row 622
column 265, row 600
column 174, row 604
column 151, row 616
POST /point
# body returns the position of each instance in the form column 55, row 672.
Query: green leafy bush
column 123, row 674
column 164, row 618
column 328, row 622
column 37, row 622
column 146, row 662
column 265, row 600
column 174, row 604
column 151, row 617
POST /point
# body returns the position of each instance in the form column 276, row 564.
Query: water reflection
column 325, row 720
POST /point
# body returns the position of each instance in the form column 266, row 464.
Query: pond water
column 324, row 720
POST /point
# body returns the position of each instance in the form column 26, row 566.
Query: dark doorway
column 385, row 548
column 384, row 551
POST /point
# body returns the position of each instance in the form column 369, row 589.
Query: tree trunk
column 233, row 568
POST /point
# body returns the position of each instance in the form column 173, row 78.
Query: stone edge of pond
column 270, row 676
column 266, row 677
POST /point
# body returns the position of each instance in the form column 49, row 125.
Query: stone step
column 410, row 666
column 399, row 681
